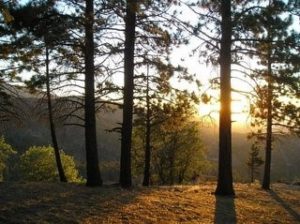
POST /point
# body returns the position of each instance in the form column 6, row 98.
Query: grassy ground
column 69, row 203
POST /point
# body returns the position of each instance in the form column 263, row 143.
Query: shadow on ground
column 225, row 210
column 71, row 203
column 36, row 203
column 285, row 205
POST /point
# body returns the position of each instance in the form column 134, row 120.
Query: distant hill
column 32, row 129
column 285, row 156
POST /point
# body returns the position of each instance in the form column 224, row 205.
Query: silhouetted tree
column 130, row 24
column 92, row 163
column 225, row 186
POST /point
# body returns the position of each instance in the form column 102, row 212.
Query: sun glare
column 239, row 110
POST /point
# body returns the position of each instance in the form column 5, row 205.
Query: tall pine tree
column 130, row 25
column 92, row 163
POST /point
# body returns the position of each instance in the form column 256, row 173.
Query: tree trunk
column 146, row 180
column 60, row 168
column 171, row 172
column 130, row 23
column 225, row 186
column 172, row 160
column 92, row 166
column 252, row 169
column 267, row 170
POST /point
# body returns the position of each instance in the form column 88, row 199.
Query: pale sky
column 240, row 104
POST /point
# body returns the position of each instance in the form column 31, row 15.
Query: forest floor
column 71, row 203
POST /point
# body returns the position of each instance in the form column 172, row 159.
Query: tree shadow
column 67, row 203
column 225, row 210
column 285, row 205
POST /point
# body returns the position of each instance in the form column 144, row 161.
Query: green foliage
column 5, row 152
column 177, row 151
column 180, row 152
column 38, row 164
column 277, row 77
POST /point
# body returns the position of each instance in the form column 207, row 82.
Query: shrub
column 6, row 151
column 38, row 164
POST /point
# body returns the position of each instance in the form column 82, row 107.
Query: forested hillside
column 35, row 131
column 285, row 160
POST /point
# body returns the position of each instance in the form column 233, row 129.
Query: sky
column 240, row 103
column 204, row 72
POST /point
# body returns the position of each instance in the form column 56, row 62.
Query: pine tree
column 154, row 92
column 245, row 21
column 225, row 186
column 254, row 161
column 147, row 175
column 38, row 21
column 274, row 46
column 130, row 24
column 176, row 147
column 92, row 163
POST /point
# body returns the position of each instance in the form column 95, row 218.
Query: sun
column 239, row 110
column 209, row 110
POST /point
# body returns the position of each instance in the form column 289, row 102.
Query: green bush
column 5, row 152
column 38, row 164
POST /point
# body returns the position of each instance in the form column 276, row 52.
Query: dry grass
column 69, row 203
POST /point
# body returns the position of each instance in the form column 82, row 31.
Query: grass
column 70, row 203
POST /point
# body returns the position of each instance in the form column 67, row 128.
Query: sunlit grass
column 70, row 203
